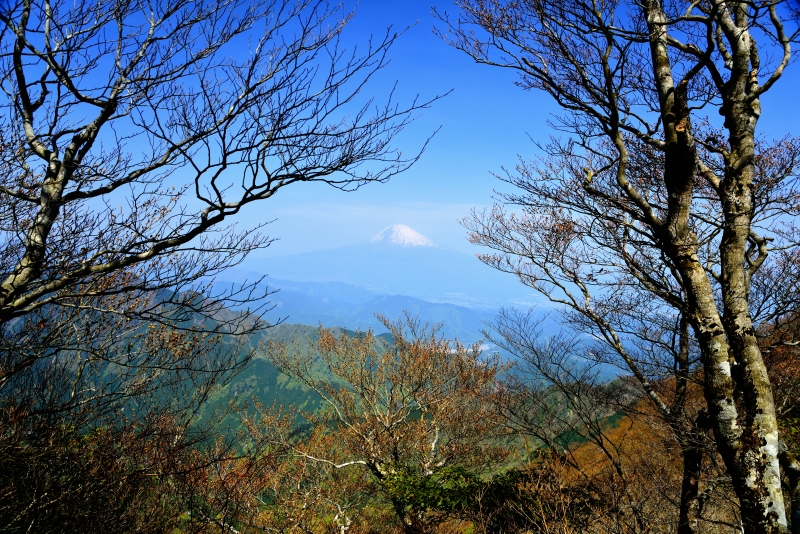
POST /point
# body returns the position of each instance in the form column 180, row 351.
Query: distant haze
column 401, row 261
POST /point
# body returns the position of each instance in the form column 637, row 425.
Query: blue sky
column 485, row 123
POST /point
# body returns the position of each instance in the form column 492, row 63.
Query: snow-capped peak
column 402, row 235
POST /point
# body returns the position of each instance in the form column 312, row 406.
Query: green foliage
column 448, row 490
column 455, row 492
column 517, row 500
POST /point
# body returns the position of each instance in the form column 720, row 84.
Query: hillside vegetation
column 621, row 355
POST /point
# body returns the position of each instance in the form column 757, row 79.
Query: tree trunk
column 692, row 462
column 737, row 388
column 752, row 458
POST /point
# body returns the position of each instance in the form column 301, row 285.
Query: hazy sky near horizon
column 486, row 122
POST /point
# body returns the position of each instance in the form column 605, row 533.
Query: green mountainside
column 260, row 381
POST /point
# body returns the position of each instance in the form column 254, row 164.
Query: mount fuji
column 400, row 234
column 400, row 261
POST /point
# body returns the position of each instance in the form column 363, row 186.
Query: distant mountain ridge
column 400, row 261
column 334, row 304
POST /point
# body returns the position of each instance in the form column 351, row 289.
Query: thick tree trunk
column 752, row 459
column 737, row 388
column 739, row 399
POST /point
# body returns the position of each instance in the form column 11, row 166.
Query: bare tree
column 133, row 133
column 110, row 108
column 296, row 494
column 649, row 209
column 414, row 407
column 645, row 469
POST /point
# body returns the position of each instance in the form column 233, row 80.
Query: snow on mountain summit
column 400, row 234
